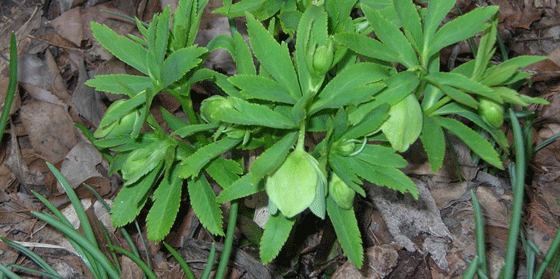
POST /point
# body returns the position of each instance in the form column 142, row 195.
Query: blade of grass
column 6, row 271
column 30, row 254
column 122, row 230
column 224, row 258
column 181, row 261
column 144, row 244
column 147, row 270
column 12, row 84
column 550, row 254
column 82, row 241
column 209, row 263
column 35, row 271
column 518, row 187
column 479, row 235
column 471, row 270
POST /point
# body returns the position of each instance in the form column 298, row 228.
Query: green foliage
column 336, row 79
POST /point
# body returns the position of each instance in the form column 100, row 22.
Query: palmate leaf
column 381, row 156
column 194, row 163
column 120, row 83
column 466, row 84
column 474, row 141
column 411, row 22
column 224, row 171
column 179, row 63
column 433, row 140
column 367, row 46
column 391, row 36
column 124, row 49
column 346, row 85
column 460, row 28
column 167, row 198
column 346, row 228
column 239, row 111
column 239, row 189
column 131, row 199
column 203, row 202
column 258, row 87
column 276, row 231
column 271, row 158
column 369, row 123
column 275, row 58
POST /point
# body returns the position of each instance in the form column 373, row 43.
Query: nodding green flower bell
column 404, row 125
column 292, row 187
column 122, row 126
column 341, row 193
column 491, row 112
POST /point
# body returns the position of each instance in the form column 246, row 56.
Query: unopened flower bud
column 491, row 112
column 341, row 193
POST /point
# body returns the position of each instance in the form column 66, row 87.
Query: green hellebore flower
column 404, row 124
column 212, row 106
column 122, row 126
column 491, row 112
column 143, row 160
column 340, row 192
column 344, row 147
column 292, row 187
column 320, row 58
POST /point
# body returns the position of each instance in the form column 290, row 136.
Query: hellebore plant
column 347, row 101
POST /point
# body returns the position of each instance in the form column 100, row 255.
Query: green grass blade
column 35, row 271
column 181, row 261
column 479, row 234
column 209, row 263
column 518, row 187
column 147, row 270
column 30, row 254
column 471, row 270
column 82, row 241
column 11, row 86
column 222, row 267
column 550, row 255
column 5, row 271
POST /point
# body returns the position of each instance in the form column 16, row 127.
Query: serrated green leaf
column 381, row 156
column 131, row 199
column 474, row 141
column 203, row 202
column 371, row 122
column 129, row 52
column 167, row 198
column 459, row 96
column 390, row 35
column 194, row 163
column 354, row 84
column 346, row 228
column 276, row 231
column 258, row 87
column 271, row 158
column 455, row 108
column 433, row 140
column 238, row 9
column 179, row 63
column 243, row 57
column 224, row 171
column 190, row 130
column 437, row 10
column 346, row 173
column 460, row 28
column 239, row 189
column 410, row 19
column 385, row 176
column 367, row 46
column 174, row 122
column 123, row 108
column 245, row 113
column 275, row 58
column 120, row 83
column 466, row 84
column 498, row 75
